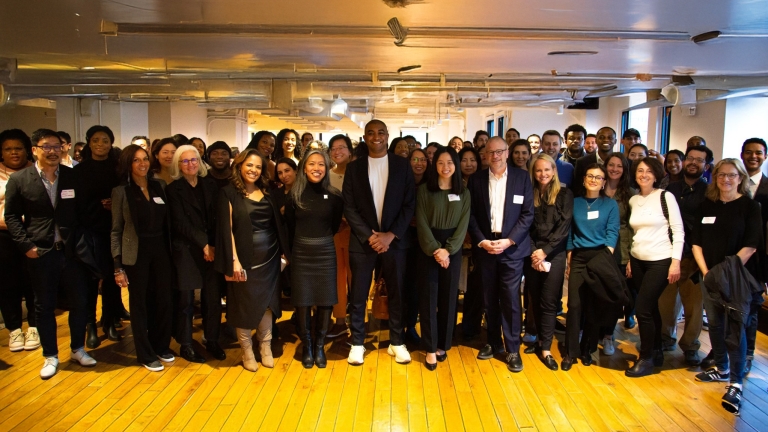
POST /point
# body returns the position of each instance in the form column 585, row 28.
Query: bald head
column 376, row 138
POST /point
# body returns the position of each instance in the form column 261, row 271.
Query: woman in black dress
column 313, row 213
column 249, row 238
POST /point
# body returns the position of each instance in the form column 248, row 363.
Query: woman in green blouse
column 442, row 217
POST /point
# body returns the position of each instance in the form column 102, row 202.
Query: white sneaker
column 356, row 355
column 16, row 341
column 400, row 353
column 49, row 367
column 608, row 348
column 83, row 358
column 32, row 339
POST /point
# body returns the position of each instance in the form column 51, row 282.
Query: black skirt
column 313, row 272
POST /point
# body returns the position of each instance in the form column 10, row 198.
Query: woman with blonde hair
column 545, row 269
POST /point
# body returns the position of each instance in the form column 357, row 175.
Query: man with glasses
column 500, row 217
column 41, row 215
column 574, row 140
column 690, row 194
column 550, row 145
column 606, row 140
column 753, row 154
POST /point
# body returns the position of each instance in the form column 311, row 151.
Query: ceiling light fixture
column 409, row 68
column 398, row 31
column 571, row 53
column 88, row 68
column 707, row 36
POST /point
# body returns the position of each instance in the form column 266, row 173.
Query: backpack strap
column 665, row 210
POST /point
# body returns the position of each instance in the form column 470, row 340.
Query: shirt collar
column 40, row 172
column 503, row 175
column 757, row 177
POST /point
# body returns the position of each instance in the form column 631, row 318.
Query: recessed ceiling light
column 408, row 68
column 699, row 38
column 571, row 53
column 88, row 68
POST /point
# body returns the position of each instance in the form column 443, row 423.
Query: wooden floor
column 463, row 394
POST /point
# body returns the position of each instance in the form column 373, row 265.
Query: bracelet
column 119, row 271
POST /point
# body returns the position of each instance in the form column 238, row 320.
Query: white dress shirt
column 378, row 176
column 497, row 191
column 754, row 182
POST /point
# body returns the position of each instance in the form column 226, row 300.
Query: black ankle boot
column 304, row 320
column 92, row 337
column 321, row 329
column 642, row 367
column 658, row 358
column 112, row 333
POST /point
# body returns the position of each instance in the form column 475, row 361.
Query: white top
column 497, row 191
column 337, row 180
column 651, row 239
column 378, row 175
column 754, row 182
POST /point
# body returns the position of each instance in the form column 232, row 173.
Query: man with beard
column 690, row 194
column 606, row 140
column 590, row 143
column 574, row 139
column 550, row 145
column 753, row 154
column 219, row 155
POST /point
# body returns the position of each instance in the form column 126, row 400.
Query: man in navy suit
column 379, row 202
column 501, row 215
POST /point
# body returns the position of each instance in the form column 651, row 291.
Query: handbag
column 380, row 304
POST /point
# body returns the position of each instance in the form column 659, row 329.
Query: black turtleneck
column 95, row 180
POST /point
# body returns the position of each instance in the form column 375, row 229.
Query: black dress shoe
column 708, row 362
column 215, row 350
column 658, row 358
column 117, row 323
column 113, row 334
column 442, row 357
column 486, row 352
column 567, row 363
column 531, row 349
column 430, row 366
column 586, row 359
column 125, row 315
column 642, row 367
column 92, row 339
column 514, row 362
column 189, row 354
column 549, row 362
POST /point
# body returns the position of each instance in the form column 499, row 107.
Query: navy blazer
column 761, row 196
column 517, row 217
column 29, row 214
column 360, row 211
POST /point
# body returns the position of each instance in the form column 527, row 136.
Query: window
column 500, row 129
column 666, row 127
column 489, row 127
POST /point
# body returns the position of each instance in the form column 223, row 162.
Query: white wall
column 134, row 121
column 28, row 119
column 189, row 119
column 537, row 120
column 609, row 114
column 744, row 118
column 708, row 122
column 159, row 120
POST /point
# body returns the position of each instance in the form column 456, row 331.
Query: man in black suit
column 753, row 154
column 379, row 203
column 606, row 140
column 501, row 215
column 41, row 215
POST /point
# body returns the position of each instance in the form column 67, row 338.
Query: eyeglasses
column 192, row 161
column 418, row 160
column 49, row 149
column 730, row 176
column 495, row 152
column 695, row 160
column 594, row 177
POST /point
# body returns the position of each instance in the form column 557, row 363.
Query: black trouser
column 411, row 295
column 650, row 280
column 472, row 312
column 210, row 296
column 439, row 288
column 14, row 285
column 111, row 301
column 149, row 288
column 47, row 273
column 530, row 321
column 578, row 296
column 608, row 330
column 362, row 265
column 501, row 276
column 543, row 290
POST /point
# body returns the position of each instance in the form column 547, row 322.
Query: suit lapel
column 362, row 177
column 510, row 193
column 36, row 182
column 486, row 192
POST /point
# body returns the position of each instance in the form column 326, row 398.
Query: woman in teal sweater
column 442, row 217
column 595, row 226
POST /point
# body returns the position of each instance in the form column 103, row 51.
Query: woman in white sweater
column 654, row 258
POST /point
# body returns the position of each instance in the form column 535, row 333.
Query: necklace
column 589, row 204
column 641, row 200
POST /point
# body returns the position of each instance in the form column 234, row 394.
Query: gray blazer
column 124, row 242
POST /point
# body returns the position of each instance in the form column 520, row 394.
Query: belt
column 59, row 245
column 496, row 236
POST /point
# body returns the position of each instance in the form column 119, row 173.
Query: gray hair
column 176, row 174
column 301, row 178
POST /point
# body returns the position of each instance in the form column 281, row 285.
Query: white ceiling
column 226, row 53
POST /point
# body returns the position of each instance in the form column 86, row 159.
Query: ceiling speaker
column 679, row 95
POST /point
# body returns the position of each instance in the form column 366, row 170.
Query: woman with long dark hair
column 673, row 166
column 399, row 146
column 553, row 211
column 162, row 158
column 96, row 177
column 520, row 154
column 442, row 218
column 469, row 162
column 141, row 249
column 287, row 142
column 313, row 214
column 264, row 142
column 249, row 238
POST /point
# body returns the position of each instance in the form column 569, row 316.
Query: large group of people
column 639, row 236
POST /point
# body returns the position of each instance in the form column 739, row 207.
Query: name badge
column 593, row 214
column 453, row 197
column 325, row 196
column 158, row 200
column 708, row 220
column 67, row 194
column 517, row 199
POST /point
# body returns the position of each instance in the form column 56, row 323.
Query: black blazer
column 579, row 171
column 29, row 214
column 761, row 196
column 124, row 238
column 242, row 230
column 360, row 211
column 517, row 217
column 193, row 227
